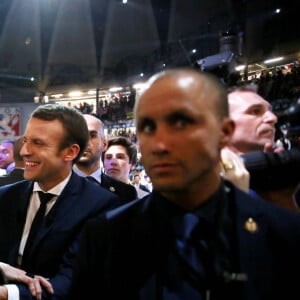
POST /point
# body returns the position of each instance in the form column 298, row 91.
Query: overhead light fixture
column 272, row 60
column 75, row 93
column 56, row 96
column 92, row 92
column 116, row 89
column 240, row 68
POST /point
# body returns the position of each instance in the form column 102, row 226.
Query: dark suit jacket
column 126, row 192
column 122, row 255
column 15, row 175
column 57, row 243
column 144, row 188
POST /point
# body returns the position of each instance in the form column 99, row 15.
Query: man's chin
column 83, row 162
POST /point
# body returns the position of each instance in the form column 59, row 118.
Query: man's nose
column 24, row 149
column 161, row 139
column 270, row 117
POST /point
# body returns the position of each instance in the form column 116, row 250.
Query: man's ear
column 104, row 144
column 72, row 152
column 228, row 128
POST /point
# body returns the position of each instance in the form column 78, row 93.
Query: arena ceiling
column 48, row 43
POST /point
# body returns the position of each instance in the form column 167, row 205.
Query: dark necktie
column 194, row 253
column 35, row 226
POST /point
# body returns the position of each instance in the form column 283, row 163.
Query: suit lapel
column 108, row 184
column 61, row 207
column 252, row 240
column 21, row 197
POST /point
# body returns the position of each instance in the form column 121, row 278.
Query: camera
column 271, row 171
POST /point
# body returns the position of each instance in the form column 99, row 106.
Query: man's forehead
column 6, row 145
column 245, row 98
column 240, row 96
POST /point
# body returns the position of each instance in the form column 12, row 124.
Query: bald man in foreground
column 196, row 236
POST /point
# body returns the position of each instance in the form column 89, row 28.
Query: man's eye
column 146, row 127
column 93, row 135
column 38, row 142
column 181, row 122
column 121, row 156
column 256, row 111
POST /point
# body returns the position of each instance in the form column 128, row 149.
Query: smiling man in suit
column 54, row 139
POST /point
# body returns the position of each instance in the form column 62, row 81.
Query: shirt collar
column 178, row 217
column 56, row 190
column 10, row 167
column 96, row 174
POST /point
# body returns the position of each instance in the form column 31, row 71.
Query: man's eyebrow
column 93, row 131
column 256, row 105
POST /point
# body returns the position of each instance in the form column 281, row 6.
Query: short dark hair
column 8, row 142
column 130, row 147
column 252, row 87
column 76, row 130
column 17, row 148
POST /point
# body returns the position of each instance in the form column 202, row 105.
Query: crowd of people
column 170, row 215
column 279, row 86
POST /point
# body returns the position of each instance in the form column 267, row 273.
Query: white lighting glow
column 185, row 82
column 240, row 68
column 91, row 92
column 115, row 89
column 272, row 60
column 75, row 94
column 139, row 85
column 56, row 96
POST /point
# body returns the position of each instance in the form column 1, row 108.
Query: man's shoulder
column 15, row 186
column 82, row 185
column 126, row 191
column 252, row 205
column 5, row 179
column 13, row 192
column 106, row 179
column 14, row 176
column 87, row 195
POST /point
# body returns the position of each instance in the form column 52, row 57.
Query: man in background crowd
column 89, row 164
column 17, row 173
column 120, row 159
column 141, row 189
column 255, row 131
column 7, row 156
column 254, row 121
